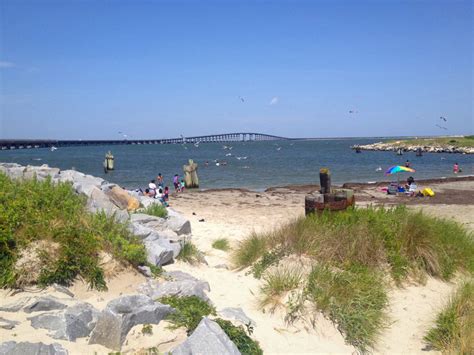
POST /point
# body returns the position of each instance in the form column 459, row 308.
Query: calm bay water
column 267, row 164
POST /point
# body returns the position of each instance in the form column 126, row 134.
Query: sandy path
column 235, row 214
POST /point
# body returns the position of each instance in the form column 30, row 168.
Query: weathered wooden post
column 190, row 175
column 325, row 180
column 109, row 162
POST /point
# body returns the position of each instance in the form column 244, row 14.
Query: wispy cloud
column 274, row 101
column 4, row 64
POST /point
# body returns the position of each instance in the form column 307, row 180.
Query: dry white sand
column 234, row 214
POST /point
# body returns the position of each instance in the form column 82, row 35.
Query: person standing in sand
column 176, row 183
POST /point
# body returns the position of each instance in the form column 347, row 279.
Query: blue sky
column 152, row 69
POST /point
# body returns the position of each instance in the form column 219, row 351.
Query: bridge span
column 6, row 144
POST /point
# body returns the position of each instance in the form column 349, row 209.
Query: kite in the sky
column 443, row 118
column 441, row 127
column 353, row 111
column 241, row 99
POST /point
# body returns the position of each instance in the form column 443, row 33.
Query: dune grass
column 353, row 298
column 156, row 210
column 190, row 253
column 454, row 329
column 277, row 282
column 351, row 251
column 39, row 211
column 221, row 244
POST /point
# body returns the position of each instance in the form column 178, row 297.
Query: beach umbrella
column 399, row 169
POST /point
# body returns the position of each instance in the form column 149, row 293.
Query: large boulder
column 75, row 322
column 207, row 338
column 181, row 285
column 122, row 199
column 160, row 251
column 123, row 313
column 99, row 202
column 13, row 171
column 26, row 348
column 45, row 303
column 177, row 223
column 41, row 172
column 82, row 183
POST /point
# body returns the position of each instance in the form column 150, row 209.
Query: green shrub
column 40, row 211
column 156, row 210
column 353, row 299
column 245, row 344
column 190, row 253
column 189, row 311
column 221, row 244
column 454, row 328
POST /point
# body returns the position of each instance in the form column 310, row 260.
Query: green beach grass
column 465, row 141
column 454, row 328
column 352, row 251
column 53, row 216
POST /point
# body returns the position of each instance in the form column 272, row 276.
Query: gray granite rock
column 26, row 348
column 75, row 322
column 44, row 303
column 145, row 270
column 123, row 313
column 7, row 323
column 208, row 338
column 177, row 223
column 236, row 315
column 160, row 251
column 176, row 287
column 17, row 305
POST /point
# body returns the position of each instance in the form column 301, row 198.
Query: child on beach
column 176, row 183
column 456, row 168
column 182, row 185
column 166, row 193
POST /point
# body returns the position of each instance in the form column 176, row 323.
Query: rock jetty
column 406, row 147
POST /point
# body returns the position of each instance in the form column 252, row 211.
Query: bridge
column 6, row 144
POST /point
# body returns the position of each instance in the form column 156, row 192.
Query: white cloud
column 4, row 64
column 274, row 101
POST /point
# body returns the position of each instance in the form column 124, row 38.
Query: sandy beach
column 234, row 214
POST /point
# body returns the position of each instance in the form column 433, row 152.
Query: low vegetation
column 190, row 253
column 191, row 309
column 156, row 210
column 277, row 282
column 147, row 329
column 465, row 141
column 351, row 252
column 245, row 344
column 47, row 236
column 454, row 329
column 221, row 244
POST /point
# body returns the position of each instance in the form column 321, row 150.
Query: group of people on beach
column 157, row 189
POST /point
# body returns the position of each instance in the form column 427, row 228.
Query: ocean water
column 270, row 163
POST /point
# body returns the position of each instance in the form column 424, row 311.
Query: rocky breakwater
column 406, row 147
column 162, row 237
